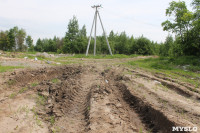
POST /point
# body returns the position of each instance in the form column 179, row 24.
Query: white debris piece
column 157, row 82
column 35, row 59
column 106, row 81
column 186, row 67
column 48, row 62
column 25, row 57
column 58, row 63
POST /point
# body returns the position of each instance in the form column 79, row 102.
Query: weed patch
column 8, row 68
column 23, row 90
column 55, row 80
column 34, row 84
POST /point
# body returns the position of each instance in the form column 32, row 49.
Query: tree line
column 183, row 23
column 15, row 39
column 76, row 41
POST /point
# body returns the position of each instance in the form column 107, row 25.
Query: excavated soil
column 97, row 99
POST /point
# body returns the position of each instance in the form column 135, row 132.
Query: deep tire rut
column 87, row 99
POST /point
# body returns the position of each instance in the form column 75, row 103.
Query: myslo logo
column 186, row 129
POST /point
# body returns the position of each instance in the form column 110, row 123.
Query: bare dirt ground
column 95, row 96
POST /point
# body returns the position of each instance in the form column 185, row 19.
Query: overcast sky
column 47, row 18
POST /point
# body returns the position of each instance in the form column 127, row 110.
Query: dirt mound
column 24, row 77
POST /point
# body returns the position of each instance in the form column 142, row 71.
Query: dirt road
column 95, row 97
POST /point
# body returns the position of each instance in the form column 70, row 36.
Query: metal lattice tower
column 95, row 23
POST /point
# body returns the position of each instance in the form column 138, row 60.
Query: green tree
column 4, row 40
column 132, row 45
column 70, row 40
column 143, row 46
column 112, row 38
column 195, row 32
column 39, row 46
column 81, row 40
column 11, row 36
column 185, row 26
column 121, row 46
column 29, row 43
column 168, row 46
column 181, row 21
column 20, row 39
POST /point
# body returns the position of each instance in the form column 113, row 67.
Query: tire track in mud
column 69, row 101
column 168, row 100
column 110, row 113
column 181, row 90
column 189, row 86
column 84, row 102
column 115, row 109
column 155, row 118
column 88, row 100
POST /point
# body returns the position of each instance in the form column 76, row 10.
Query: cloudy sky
column 47, row 18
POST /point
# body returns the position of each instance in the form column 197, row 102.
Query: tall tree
column 111, row 38
column 168, row 46
column 29, row 43
column 11, row 36
column 122, row 43
column 4, row 40
column 181, row 21
column 143, row 46
column 70, row 41
column 39, row 45
column 82, row 40
column 186, row 26
column 20, row 39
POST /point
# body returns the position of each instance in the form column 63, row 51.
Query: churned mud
column 95, row 99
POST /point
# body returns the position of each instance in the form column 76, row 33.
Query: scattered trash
column 106, row 81
column 185, row 67
column 48, row 62
column 35, row 59
column 58, row 63
column 157, row 82
column 25, row 57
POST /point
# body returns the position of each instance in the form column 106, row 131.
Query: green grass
column 8, row 68
column 98, row 56
column 52, row 120
column 13, row 95
column 34, row 84
column 11, row 82
column 184, row 68
column 23, row 90
column 41, row 100
column 33, row 57
column 55, row 80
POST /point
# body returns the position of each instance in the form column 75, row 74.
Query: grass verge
column 8, row 68
column 99, row 56
column 185, row 68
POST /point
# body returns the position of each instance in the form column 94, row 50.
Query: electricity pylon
column 95, row 30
